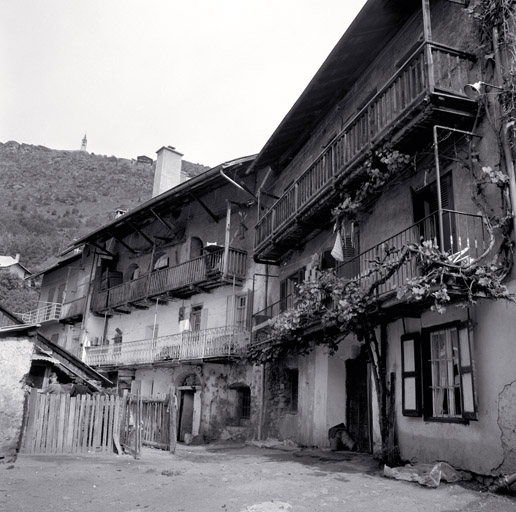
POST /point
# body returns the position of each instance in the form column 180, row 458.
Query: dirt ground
column 224, row 478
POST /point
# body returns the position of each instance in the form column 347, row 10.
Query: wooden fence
column 156, row 419
column 60, row 424
column 63, row 424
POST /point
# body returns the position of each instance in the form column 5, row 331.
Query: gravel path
column 224, row 478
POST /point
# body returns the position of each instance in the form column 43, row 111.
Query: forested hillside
column 49, row 197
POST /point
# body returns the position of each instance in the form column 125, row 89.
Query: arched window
column 160, row 261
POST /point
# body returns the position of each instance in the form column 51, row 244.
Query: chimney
column 168, row 170
column 17, row 257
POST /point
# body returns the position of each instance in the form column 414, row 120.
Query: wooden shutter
column 60, row 293
column 230, row 310
column 249, row 319
column 469, row 407
column 411, row 374
column 204, row 318
column 283, row 295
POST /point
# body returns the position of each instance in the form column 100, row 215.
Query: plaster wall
column 215, row 403
column 484, row 446
column 321, row 396
column 138, row 324
column 15, row 361
column 191, row 220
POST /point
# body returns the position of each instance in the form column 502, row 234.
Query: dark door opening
column 358, row 402
column 186, row 409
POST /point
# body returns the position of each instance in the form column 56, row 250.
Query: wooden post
column 427, row 34
column 172, row 431
column 227, row 239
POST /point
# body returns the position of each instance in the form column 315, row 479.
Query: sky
column 212, row 78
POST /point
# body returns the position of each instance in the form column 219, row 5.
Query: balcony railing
column 464, row 235
column 207, row 270
column 212, row 343
column 51, row 311
column 445, row 72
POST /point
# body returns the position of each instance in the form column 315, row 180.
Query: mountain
column 49, row 197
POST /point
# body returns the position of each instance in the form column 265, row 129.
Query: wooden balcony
column 49, row 312
column 73, row 311
column 464, row 234
column 218, row 343
column 180, row 281
column 427, row 89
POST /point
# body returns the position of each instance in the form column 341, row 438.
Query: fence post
column 172, row 434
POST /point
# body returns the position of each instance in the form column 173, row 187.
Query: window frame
column 464, row 370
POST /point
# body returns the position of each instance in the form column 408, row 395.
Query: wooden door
column 186, row 409
column 358, row 402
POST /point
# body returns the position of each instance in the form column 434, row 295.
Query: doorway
column 358, row 417
column 186, row 414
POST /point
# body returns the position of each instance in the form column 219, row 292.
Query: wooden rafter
column 105, row 252
column 123, row 243
column 206, row 209
column 162, row 220
column 138, row 230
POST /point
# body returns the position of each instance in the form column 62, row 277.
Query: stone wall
column 15, row 361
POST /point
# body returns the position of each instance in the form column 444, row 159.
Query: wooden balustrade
column 206, row 269
column 465, row 236
column 414, row 80
column 188, row 345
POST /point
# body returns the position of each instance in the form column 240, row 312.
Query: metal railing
column 50, row 311
column 464, row 236
column 188, row 345
column 445, row 71
column 203, row 269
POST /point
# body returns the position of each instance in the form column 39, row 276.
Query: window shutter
column 204, row 318
column 411, row 374
column 230, row 310
column 249, row 318
column 283, row 295
column 469, row 408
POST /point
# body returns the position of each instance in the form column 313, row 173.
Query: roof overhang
column 197, row 185
column 376, row 23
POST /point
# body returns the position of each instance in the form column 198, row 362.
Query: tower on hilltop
column 84, row 143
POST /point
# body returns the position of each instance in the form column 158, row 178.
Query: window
column 161, row 262
column 292, row 388
column 243, row 403
column 195, row 318
column 288, row 288
column 444, row 372
column 425, row 211
column 241, row 311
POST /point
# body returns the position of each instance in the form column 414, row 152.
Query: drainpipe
column 241, row 187
column 505, row 138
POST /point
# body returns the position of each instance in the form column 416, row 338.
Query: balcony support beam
column 130, row 249
column 162, row 221
column 205, row 208
column 104, row 252
column 139, row 231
